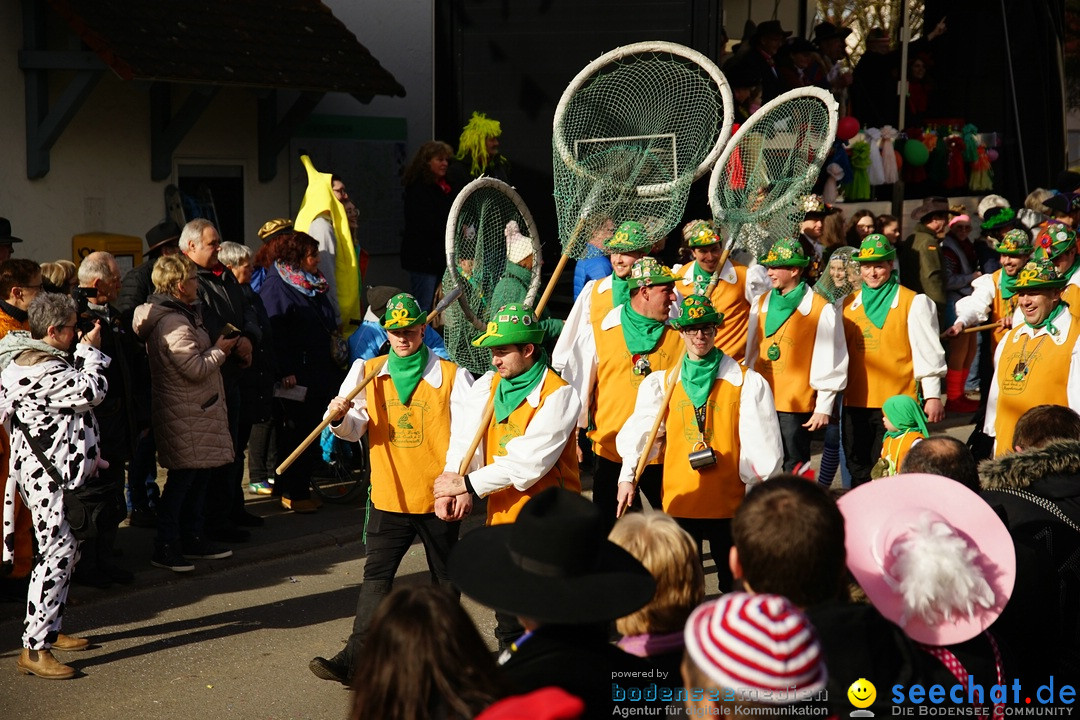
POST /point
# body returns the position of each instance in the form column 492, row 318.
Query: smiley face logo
column 862, row 693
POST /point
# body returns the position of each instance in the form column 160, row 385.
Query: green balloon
column 915, row 153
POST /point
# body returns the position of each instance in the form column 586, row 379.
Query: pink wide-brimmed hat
column 931, row 555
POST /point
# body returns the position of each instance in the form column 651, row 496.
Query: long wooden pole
column 375, row 370
column 976, row 328
column 481, row 430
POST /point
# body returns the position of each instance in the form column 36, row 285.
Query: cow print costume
column 53, row 400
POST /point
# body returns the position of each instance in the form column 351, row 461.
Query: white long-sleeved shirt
column 575, row 323
column 531, row 455
column 761, row 453
column 829, row 359
column 927, row 354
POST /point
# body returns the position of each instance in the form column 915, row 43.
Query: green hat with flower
column 1054, row 241
column 628, row 237
column 649, row 271
column 697, row 310
column 816, row 205
column 513, row 324
column 402, row 311
column 875, row 248
column 700, row 233
column 785, row 252
column 1015, row 243
column 1039, row 274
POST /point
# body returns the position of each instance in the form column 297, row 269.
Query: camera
column 84, row 316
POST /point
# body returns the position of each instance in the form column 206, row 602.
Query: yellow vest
column 730, row 299
column 408, row 442
column 1044, row 383
column 893, row 452
column 600, row 303
column 715, row 491
column 616, row 387
column 504, row 505
column 789, row 375
column 999, row 309
column 880, row 363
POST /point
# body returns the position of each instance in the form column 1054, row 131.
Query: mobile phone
column 230, row 331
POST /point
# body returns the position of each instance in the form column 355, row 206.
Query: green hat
column 875, row 248
column 648, row 271
column 628, row 237
column 697, row 310
column 513, row 324
column 1054, row 241
column 1016, row 243
column 701, row 234
column 1039, row 274
column 785, row 252
column 997, row 217
column 816, row 205
column 402, row 311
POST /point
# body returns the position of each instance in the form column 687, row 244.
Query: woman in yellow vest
column 905, row 425
column 736, row 289
column 893, row 349
column 406, row 411
column 796, row 343
column 1038, row 362
column 530, row 442
column 720, row 434
column 629, row 243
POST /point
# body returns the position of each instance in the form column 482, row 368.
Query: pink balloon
column 847, row 128
column 992, row 154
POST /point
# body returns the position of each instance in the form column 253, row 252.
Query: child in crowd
column 905, row 425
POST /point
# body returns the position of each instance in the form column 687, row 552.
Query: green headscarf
column 781, row 307
column 511, row 392
column 698, row 375
column 406, row 372
column 878, row 301
column 641, row 333
column 904, row 412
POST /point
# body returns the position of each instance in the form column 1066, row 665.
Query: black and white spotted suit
column 53, row 400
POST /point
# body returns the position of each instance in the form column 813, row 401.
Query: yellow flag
column 319, row 199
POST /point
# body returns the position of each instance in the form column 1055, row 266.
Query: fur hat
column 518, row 247
column 757, row 642
column 990, row 201
column 932, row 556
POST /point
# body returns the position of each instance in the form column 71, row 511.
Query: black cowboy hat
column 6, row 238
column 770, row 27
column 165, row 232
column 827, row 31
column 798, row 44
column 554, row 564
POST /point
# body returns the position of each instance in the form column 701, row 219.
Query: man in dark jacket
column 223, row 304
column 921, row 266
column 99, row 283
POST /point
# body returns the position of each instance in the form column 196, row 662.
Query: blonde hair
column 1036, row 198
column 473, row 141
column 169, row 271
column 59, row 273
column 671, row 556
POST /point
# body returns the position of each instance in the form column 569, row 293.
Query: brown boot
column 70, row 643
column 43, row 664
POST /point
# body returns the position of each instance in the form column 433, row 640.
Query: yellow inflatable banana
column 318, row 199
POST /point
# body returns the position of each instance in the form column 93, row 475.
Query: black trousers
column 605, row 489
column 796, row 439
column 389, row 536
column 718, row 532
column 864, row 431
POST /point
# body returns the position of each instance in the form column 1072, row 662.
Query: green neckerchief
column 904, row 412
column 877, row 302
column 781, row 307
column 405, row 372
column 1049, row 321
column 641, row 333
column 698, row 375
column 620, row 291
column 1007, row 285
column 701, row 278
column 511, row 392
column 1069, row 273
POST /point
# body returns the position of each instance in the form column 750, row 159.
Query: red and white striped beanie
column 761, row 644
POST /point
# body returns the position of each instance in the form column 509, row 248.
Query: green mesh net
column 631, row 133
column 493, row 255
column 840, row 276
column 774, row 158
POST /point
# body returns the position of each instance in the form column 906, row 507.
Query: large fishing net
column 840, row 276
column 632, row 131
column 772, row 161
column 493, row 256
